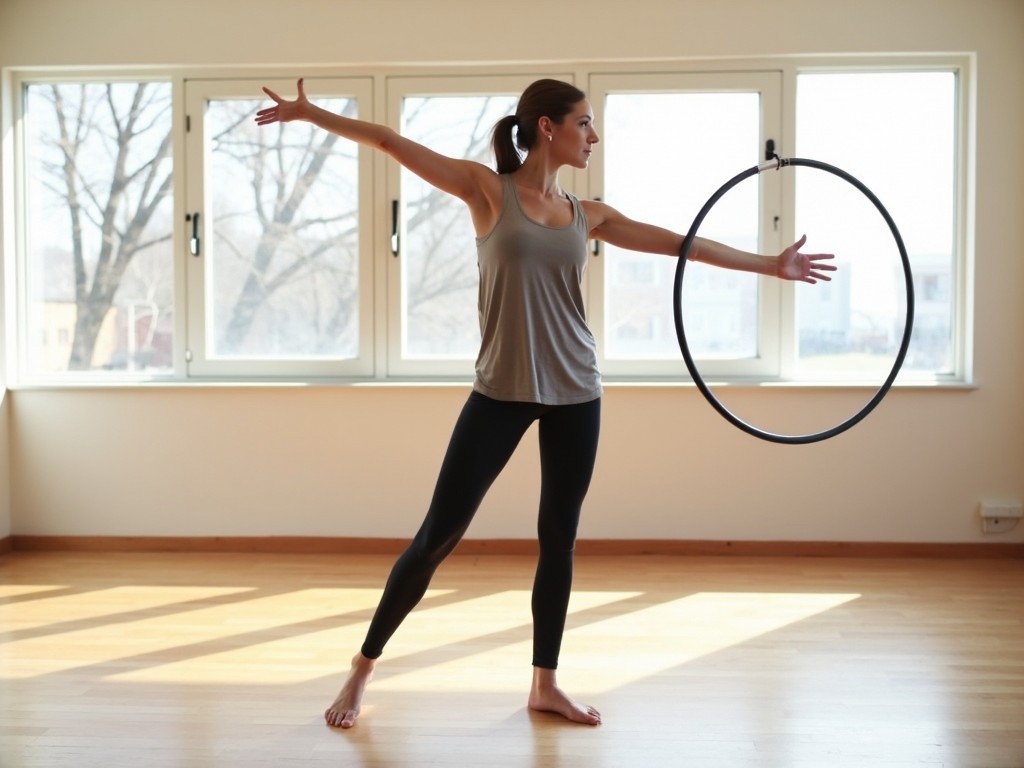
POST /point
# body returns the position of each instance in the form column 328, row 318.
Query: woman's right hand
column 283, row 111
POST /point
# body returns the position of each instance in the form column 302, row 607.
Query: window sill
column 610, row 383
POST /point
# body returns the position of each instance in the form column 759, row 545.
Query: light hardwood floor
column 229, row 660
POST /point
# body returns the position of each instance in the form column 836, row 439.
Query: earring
column 550, row 137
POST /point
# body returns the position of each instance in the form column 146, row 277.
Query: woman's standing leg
column 568, row 447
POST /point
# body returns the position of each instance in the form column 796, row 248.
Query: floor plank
column 177, row 659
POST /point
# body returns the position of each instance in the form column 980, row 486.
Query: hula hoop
column 684, row 347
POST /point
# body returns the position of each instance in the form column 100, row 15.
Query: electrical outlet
column 999, row 517
column 998, row 524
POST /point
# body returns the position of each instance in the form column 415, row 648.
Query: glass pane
column 439, row 270
column 895, row 132
column 99, row 267
column 665, row 155
column 283, row 270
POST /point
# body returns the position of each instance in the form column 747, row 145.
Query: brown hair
column 543, row 98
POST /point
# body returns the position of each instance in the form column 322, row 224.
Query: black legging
column 485, row 436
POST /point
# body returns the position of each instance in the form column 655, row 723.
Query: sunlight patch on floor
column 611, row 652
column 483, row 643
column 700, row 624
column 160, row 634
column 282, row 636
column 113, row 603
column 492, row 635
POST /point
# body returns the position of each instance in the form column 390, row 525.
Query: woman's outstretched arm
column 461, row 178
column 609, row 225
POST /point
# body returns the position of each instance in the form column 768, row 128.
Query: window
column 434, row 325
column 98, row 277
column 667, row 143
column 161, row 234
column 896, row 133
column 279, row 255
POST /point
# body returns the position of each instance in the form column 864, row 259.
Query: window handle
column 595, row 246
column 193, row 243
column 395, row 239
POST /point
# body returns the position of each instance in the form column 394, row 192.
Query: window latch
column 193, row 243
column 395, row 239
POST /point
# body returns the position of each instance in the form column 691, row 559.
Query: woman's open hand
column 805, row 267
column 284, row 110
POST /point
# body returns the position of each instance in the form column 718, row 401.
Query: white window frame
column 380, row 94
column 398, row 89
column 199, row 363
column 771, row 302
column 962, row 276
column 16, row 228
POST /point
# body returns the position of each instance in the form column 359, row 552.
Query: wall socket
column 1000, row 517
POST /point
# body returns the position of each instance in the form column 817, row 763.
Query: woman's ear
column 544, row 127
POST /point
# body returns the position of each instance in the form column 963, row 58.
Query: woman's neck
column 536, row 178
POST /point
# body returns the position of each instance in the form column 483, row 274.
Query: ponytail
column 544, row 98
column 505, row 152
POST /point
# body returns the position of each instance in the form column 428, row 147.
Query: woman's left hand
column 284, row 110
column 805, row 267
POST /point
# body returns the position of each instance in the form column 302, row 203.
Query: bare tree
column 294, row 242
column 441, row 273
column 112, row 171
column 120, row 200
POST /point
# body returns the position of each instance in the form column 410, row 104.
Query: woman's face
column 573, row 139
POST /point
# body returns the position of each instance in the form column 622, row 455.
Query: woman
column 537, row 359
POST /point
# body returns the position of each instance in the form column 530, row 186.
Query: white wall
column 360, row 461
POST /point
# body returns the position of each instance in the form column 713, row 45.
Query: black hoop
column 678, row 304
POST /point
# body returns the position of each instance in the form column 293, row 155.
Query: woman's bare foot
column 345, row 709
column 546, row 696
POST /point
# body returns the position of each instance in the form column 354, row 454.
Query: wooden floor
column 229, row 660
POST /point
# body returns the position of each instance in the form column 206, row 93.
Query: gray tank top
column 535, row 343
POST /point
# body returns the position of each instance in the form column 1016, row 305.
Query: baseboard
column 584, row 547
